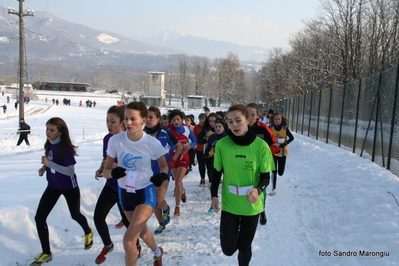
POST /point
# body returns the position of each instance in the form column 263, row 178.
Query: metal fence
column 361, row 116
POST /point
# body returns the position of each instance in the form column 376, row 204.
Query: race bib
column 131, row 181
column 280, row 140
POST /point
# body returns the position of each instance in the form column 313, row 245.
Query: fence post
column 310, row 112
column 329, row 116
column 342, row 116
column 377, row 112
column 303, row 113
column 297, row 113
column 395, row 102
column 357, row 116
column 318, row 117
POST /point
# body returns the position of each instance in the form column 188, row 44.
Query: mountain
column 49, row 37
column 193, row 45
column 60, row 50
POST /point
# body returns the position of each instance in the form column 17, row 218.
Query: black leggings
column 209, row 167
column 191, row 152
column 237, row 232
column 46, row 204
column 105, row 202
column 279, row 163
column 201, row 163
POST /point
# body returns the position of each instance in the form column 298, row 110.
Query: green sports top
column 241, row 167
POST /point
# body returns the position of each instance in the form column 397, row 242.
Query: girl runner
column 169, row 142
column 134, row 150
column 59, row 166
column 246, row 162
column 180, row 166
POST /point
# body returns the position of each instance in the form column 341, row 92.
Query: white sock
column 157, row 252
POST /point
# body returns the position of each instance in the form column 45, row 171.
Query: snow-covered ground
column 331, row 207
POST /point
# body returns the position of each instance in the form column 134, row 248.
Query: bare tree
column 232, row 79
column 183, row 76
column 200, row 71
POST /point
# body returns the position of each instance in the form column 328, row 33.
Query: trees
column 231, row 79
column 350, row 39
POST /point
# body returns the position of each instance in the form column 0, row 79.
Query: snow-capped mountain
column 193, row 45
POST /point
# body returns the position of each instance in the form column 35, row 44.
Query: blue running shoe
column 160, row 229
column 211, row 210
column 166, row 216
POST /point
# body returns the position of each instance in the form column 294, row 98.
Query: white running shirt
column 135, row 157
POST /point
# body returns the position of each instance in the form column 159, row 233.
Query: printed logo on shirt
column 129, row 161
column 241, row 156
column 249, row 165
column 50, row 155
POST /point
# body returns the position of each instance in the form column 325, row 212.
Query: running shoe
column 89, row 240
column 42, row 258
column 103, row 255
column 272, row 193
column 202, row 182
column 166, row 216
column 158, row 260
column 211, row 210
column 119, row 225
column 160, row 229
column 183, row 196
column 177, row 211
column 262, row 218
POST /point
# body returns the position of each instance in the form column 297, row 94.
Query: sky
column 266, row 23
column 329, row 201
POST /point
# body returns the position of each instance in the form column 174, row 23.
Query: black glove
column 282, row 145
column 118, row 172
column 158, row 179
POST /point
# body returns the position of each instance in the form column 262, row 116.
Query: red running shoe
column 119, row 225
column 103, row 255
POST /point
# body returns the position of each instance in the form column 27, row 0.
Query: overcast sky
column 263, row 23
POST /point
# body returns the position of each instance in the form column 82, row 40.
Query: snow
column 106, row 38
column 331, row 206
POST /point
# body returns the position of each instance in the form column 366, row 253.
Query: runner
column 134, row 150
column 245, row 161
column 179, row 169
column 169, row 142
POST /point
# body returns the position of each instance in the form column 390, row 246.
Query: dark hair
column 284, row 120
column 222, row 122
column 156, row 111
column 191, row 118
column 270, row 111
column 176, row 112
column 206, row 109
column 221, row 114
column 66, row 143
column 139, row 106
column 255, row 106
column 118, row 110
column 239, row 107
column 165, row 117
column 206, row 125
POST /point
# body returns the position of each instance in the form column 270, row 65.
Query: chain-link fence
column 361, row 116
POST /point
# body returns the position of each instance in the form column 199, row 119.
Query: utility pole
column 21, row 16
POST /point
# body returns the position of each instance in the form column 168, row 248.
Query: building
column 156, row 89
column 64, row 86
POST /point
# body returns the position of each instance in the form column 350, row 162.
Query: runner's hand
column 118, row 172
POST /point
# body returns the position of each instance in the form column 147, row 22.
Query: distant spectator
column 23, row 131
column 4, row 109
column 16, row 105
